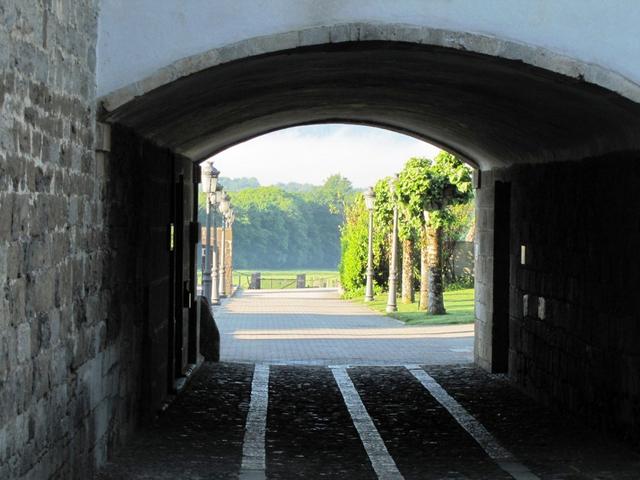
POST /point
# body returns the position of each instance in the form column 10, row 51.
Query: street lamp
column 225, row 206
column 369, row 201
column 215, row 200
column 210, row 176
column 393, row 268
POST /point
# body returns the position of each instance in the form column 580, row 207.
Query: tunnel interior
column 492, row 111
column 99, row 323
column 555, row 155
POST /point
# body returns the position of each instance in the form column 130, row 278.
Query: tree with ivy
column 409, row 228
column 407, row 233
column 426, row 189
column 383, row 221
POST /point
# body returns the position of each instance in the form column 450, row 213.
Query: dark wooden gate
column 183, row 328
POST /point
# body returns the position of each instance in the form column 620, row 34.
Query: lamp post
column 209, row 184
column 369, row 201
column 393, row 268
column 225, row 205
column 215, row 294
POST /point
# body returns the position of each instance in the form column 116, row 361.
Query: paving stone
column 198, row 437
column 315, row 326
column 310, row 433
column 554, row 446
column 423, row 439
column 309, row 430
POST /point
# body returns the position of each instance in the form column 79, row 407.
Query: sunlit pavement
column 316, row 327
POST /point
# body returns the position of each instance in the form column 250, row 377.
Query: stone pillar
column 228, row 252
column 492, row 263
column 255, row 281
column 483, row 258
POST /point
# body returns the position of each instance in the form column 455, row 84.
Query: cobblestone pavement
column 316, row 327
column 309, row 428
column 310, row 432
column 554, row 446
column 199, row 436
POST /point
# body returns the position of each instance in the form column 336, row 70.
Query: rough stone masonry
column 64, row 389
column 570, row 318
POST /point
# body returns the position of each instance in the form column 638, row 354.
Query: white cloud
column 312, row 153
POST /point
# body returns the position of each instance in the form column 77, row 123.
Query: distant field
column 458, row 303
column 286, row 278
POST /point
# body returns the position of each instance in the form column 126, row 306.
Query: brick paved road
column 314, row 326
column 375, row 403
column 309, row 430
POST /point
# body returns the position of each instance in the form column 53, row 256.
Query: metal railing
column 258, row 281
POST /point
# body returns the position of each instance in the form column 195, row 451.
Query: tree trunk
column 408, row 293
column 434, row 259
column 424, row 271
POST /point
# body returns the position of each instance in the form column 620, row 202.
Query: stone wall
column 462, row 259
column 69, row 324
column 574, row 329
column 483, row 264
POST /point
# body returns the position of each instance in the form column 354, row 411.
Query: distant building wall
column 462, row 259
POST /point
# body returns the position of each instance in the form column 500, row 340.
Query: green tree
column 408, row 229
column 354, row 235
column 336, row 192
column 383, row 224
column 413, row 183
column 432, row 196
column 275, row 229
column 427, row 189
column 295, row 187
column 237, row 184
column 462, row 220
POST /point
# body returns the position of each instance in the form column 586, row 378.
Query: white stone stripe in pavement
column 503, row 457
column 253, row 452
column 382, row 463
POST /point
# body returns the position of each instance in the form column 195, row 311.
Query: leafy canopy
column 432, row 185
column 279, row 229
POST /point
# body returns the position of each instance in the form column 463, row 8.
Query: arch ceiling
column 493, row 111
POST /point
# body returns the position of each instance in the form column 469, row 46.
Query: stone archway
column 515, row 121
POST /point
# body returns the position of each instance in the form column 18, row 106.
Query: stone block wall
column 483, row 259
column 69, row 283
column 574, row 319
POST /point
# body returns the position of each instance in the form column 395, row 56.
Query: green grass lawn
column 458, row 303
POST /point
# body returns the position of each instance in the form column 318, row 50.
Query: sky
column 310, row 154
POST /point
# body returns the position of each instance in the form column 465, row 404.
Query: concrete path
column 316, row 327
